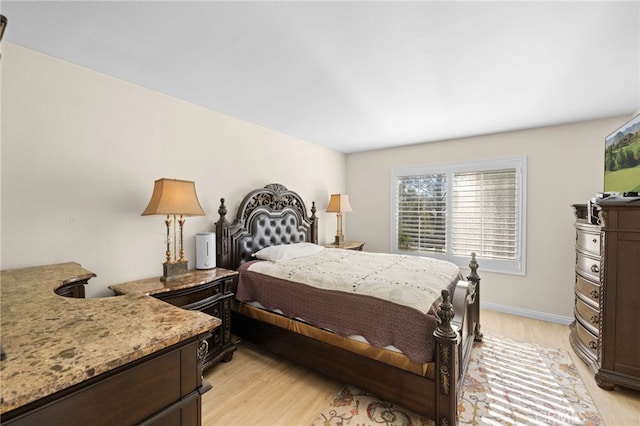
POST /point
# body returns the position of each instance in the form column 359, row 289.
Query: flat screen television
column 622, row 159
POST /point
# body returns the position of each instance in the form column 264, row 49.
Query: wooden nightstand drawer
column 219, row 309
column 192, row 298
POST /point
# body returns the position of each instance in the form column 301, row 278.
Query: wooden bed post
column 447, row 344
column 314, row 224
column 223, row 255
column 475, row 279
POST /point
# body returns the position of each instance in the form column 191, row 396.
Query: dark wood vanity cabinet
column 96, row 362
column 162, row 388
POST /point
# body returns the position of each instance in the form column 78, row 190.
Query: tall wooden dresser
column 606, row 330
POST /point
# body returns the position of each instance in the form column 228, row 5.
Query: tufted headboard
column 266, row 216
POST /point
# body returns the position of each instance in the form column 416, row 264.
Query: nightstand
column 208, row 291
column 347, row 245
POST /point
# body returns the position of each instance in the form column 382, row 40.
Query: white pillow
column 287, row 251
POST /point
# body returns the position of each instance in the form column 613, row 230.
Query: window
column 452, row 210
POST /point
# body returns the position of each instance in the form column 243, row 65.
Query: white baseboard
column 543, row 316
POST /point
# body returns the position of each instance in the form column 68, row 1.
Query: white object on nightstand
column 205, row 250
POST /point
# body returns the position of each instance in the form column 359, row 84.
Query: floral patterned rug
column 507, row 383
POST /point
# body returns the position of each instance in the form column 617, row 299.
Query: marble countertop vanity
column 53, row 342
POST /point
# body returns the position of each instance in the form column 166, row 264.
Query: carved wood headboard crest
column 266, row 216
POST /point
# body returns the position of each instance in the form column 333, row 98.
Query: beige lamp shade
column 339, row 203
column 174, row 197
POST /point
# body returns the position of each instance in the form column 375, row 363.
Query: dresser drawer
column 587, row 340
column 186, row 298
column 588, row 266
column 588, row 241
column 588, row 291
column 588, row 316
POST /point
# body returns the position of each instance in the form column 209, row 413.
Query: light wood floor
column 250, row 389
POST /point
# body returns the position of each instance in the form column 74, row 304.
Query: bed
column 424, row 374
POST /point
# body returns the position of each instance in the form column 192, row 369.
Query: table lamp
column 339, row 203
column 173, row 197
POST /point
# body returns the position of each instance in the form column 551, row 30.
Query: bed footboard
column 454, row 341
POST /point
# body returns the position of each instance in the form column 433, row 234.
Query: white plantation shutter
column 483, row 214
column 421, row 213
column 451, row 211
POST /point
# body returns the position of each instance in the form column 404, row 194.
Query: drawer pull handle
column 593, row 345
column 595, row 319
column 595, row 240
column 594, row 294
column 595, row 268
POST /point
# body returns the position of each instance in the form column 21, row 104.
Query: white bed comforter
column 411, row 281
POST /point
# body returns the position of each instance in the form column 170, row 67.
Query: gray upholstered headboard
column 266, row 216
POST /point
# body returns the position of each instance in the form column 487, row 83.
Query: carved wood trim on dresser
column 606, row 328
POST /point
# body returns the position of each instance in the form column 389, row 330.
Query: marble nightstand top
column 153, row 286
column 54, row 342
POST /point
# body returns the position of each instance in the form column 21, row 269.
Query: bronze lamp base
column 174, row 270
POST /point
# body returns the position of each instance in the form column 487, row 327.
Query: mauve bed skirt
column 380, row 322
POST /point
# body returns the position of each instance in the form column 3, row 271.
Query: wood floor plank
column 257, row 388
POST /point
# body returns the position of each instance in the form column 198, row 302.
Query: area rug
column 507, row 383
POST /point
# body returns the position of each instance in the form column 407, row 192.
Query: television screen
column 622, row 159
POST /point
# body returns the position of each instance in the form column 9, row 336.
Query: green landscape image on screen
column 622, row 159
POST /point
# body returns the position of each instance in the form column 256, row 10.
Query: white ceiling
column 358, row 75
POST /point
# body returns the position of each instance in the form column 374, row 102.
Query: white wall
column 565, row 166
column 80, row 153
